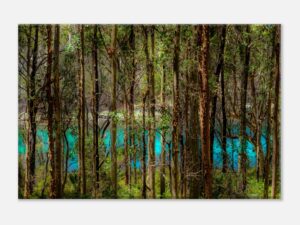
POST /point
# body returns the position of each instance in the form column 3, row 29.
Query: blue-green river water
column 232, row 148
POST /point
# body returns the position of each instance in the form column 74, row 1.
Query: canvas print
column 149, row 111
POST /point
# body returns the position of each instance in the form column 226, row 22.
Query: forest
column 149, row 111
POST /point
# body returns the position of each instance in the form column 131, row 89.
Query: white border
column 14, row 211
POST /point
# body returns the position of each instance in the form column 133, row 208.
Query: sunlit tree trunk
column 151, row 105
column 186, row 151
column 204, row 109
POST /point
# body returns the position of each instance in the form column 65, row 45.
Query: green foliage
column 213, row 84
column 115, row 116
column 165, row 121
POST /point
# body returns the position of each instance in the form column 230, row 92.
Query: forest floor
column 225, row 186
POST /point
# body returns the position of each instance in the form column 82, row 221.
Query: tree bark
column 175, row 123
column 269, row 120
column 259, row 153
column 276, row 142
column 57, row 112
column 131, row 107
column 151, row 106
column 144, row 166
column 82, row 173
column 163, row 137
column 31, row 111
column 95, row 114
column 204, row 109
column 113, row 109
column 224, row 117
column 218, row 71
column 50, row 112
column 186, row 151
column 66, row 162
column 193, row 155
column 152, row 163
column 244, row 84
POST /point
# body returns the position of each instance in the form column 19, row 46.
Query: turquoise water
column 232, row 147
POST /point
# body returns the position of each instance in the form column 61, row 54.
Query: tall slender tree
column 81, row 115
column 31, row 111
column 131, row 102
column 204, row 109
column 113, row 109
column 186, row 150
column 96, row 94
column 151, row 103
column 220, row 64
column 163, row 137
column 144, row 166
column 275, row 162
column 175, row 123
column 268, row 134
column 224, row 117
column 57, row 110
column 245, row 54
column 193, row 155
column 50, row 111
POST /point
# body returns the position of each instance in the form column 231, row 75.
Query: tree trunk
column 66, row 162
column 131, row 106
column 268, row 143
column 163, row 137
column 269, row 121
column 275, row 162
column 224, row 117
column 95, row 115
column 82, row 173
column 204, row 109
column 244, row 84
column 127, row 160
column 113, row 109
column 186, row 151
column 50, row 111
column 151, row 107
column 57, row 112
column 218, row 71
column 175, row 123
column 259, row 153
column 144, row 166
column 152, row 113
column 193, row 154
column 32, row 109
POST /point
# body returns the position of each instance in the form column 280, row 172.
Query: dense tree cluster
column 148, row 107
